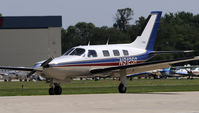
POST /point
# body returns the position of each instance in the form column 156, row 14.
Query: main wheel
column 122, row 88
column 51, row 91
column 58, row 90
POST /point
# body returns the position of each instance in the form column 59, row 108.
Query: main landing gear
column 55, row 89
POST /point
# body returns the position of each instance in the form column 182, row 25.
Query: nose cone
column 37, row 66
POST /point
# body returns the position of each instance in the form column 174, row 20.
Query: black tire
column 57, row 90
column 122, row 88
column 51, row 91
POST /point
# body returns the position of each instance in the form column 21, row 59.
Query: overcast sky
column 99, row 12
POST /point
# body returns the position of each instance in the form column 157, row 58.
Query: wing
column 143, row 67
column 17, row 68
column 45, row 64
column 32, row 71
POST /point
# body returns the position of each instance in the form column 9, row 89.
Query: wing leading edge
column 143, row 67
column 17, row 68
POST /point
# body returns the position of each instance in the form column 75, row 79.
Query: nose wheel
column 122, row 88
column 123, row 84
column 56, row 90
column 51, row 91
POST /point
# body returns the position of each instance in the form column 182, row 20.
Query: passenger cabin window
column 77, row 52
column 106, row 53
column 125, row 52
column 92, row 53
column 116, row 53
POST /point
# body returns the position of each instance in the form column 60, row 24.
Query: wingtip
column 188, row 51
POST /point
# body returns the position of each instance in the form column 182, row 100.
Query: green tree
column 135, row 30
column 122, row 18
column 76, row 35
column 82, row 33
column 104, row 34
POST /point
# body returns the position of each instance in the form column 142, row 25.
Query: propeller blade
column 45, row 64
column 29, row 74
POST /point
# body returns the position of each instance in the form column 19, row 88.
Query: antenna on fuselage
column 107, row 41
column 89, row 43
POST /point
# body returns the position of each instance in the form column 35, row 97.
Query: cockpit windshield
column 75, row 51
column 69, row 51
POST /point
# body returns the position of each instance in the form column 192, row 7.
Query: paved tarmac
column 181, row 102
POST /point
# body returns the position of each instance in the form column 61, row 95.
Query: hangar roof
column 24, row 22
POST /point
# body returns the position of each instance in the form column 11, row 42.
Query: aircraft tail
column 147, row 39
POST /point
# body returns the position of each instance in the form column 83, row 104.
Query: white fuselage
column 90, row 57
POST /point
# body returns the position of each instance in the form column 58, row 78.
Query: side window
column 106, row 53
column 92, row 53
column 116, row 53
column 125, row 52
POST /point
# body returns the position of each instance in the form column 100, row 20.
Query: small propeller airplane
column 112, row 59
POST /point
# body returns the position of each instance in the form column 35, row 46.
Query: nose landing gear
column 56, row 90
column 123, row 84
column 122, row 88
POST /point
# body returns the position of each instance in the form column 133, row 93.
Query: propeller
column 29, row 74
column 45, row 64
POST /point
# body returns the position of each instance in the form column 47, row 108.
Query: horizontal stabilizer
column 170, row 52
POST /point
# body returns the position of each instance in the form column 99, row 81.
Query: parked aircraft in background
column 9, row 75
column 112, row 59
column 195, row 71
column 189, row 70
column 181, row 71
column 148, row 74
